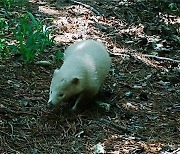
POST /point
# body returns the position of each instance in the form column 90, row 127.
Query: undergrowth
column 22, row 33
column 10, row 5
column 32, row 37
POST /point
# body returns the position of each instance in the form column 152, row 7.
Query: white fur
column 86, row 64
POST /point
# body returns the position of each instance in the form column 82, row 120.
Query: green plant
column 3, row 27
column 59, row 55
column 173, row 7
column 32, row 37
column 4, row 49
column 6, row 3
column 2, row 23
column 13, row 4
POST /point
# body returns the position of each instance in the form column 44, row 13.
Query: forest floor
column 140, row 99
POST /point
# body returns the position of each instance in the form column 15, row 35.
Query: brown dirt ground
column 143, row 94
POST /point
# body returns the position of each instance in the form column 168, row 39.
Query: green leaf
column 173, row 6
column 59, row 55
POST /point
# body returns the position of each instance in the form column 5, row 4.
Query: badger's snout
column 50, row 104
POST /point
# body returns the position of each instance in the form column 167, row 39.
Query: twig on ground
column 161, row 58
column 12, row 129
column 119, row 54
column 146, row 56
column 115, row 126
column 87, row 6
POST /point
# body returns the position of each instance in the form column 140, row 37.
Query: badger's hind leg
column 84, row 99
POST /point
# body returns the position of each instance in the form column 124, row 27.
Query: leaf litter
column 142, row 92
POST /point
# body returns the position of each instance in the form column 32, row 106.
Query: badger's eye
column 61, row 95
column 51, row 92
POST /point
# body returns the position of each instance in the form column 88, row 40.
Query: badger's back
column 94, row 57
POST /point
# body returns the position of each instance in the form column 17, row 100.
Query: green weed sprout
column 32, row 37
column 4, row 49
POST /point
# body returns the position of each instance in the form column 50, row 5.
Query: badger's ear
column 56, row 71
column 75, row 80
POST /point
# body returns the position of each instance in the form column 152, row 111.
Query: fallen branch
column 87, row 6
column 146, row 56
column 161, row 58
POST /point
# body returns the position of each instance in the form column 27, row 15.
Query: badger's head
column 63, row 86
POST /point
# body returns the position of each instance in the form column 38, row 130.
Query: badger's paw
column 76, row 109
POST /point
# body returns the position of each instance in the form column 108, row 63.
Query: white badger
column 86, row 64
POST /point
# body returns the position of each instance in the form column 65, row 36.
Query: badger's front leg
column 83, row 100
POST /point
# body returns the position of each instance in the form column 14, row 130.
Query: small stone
column 158, row 46
column 128, row 94
column 104, row 106
column 25, row 103
column 129, row 105
column 43, row 63
column 98, row 148
column 164, row 83
column 152, row 117
column 137, row 87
